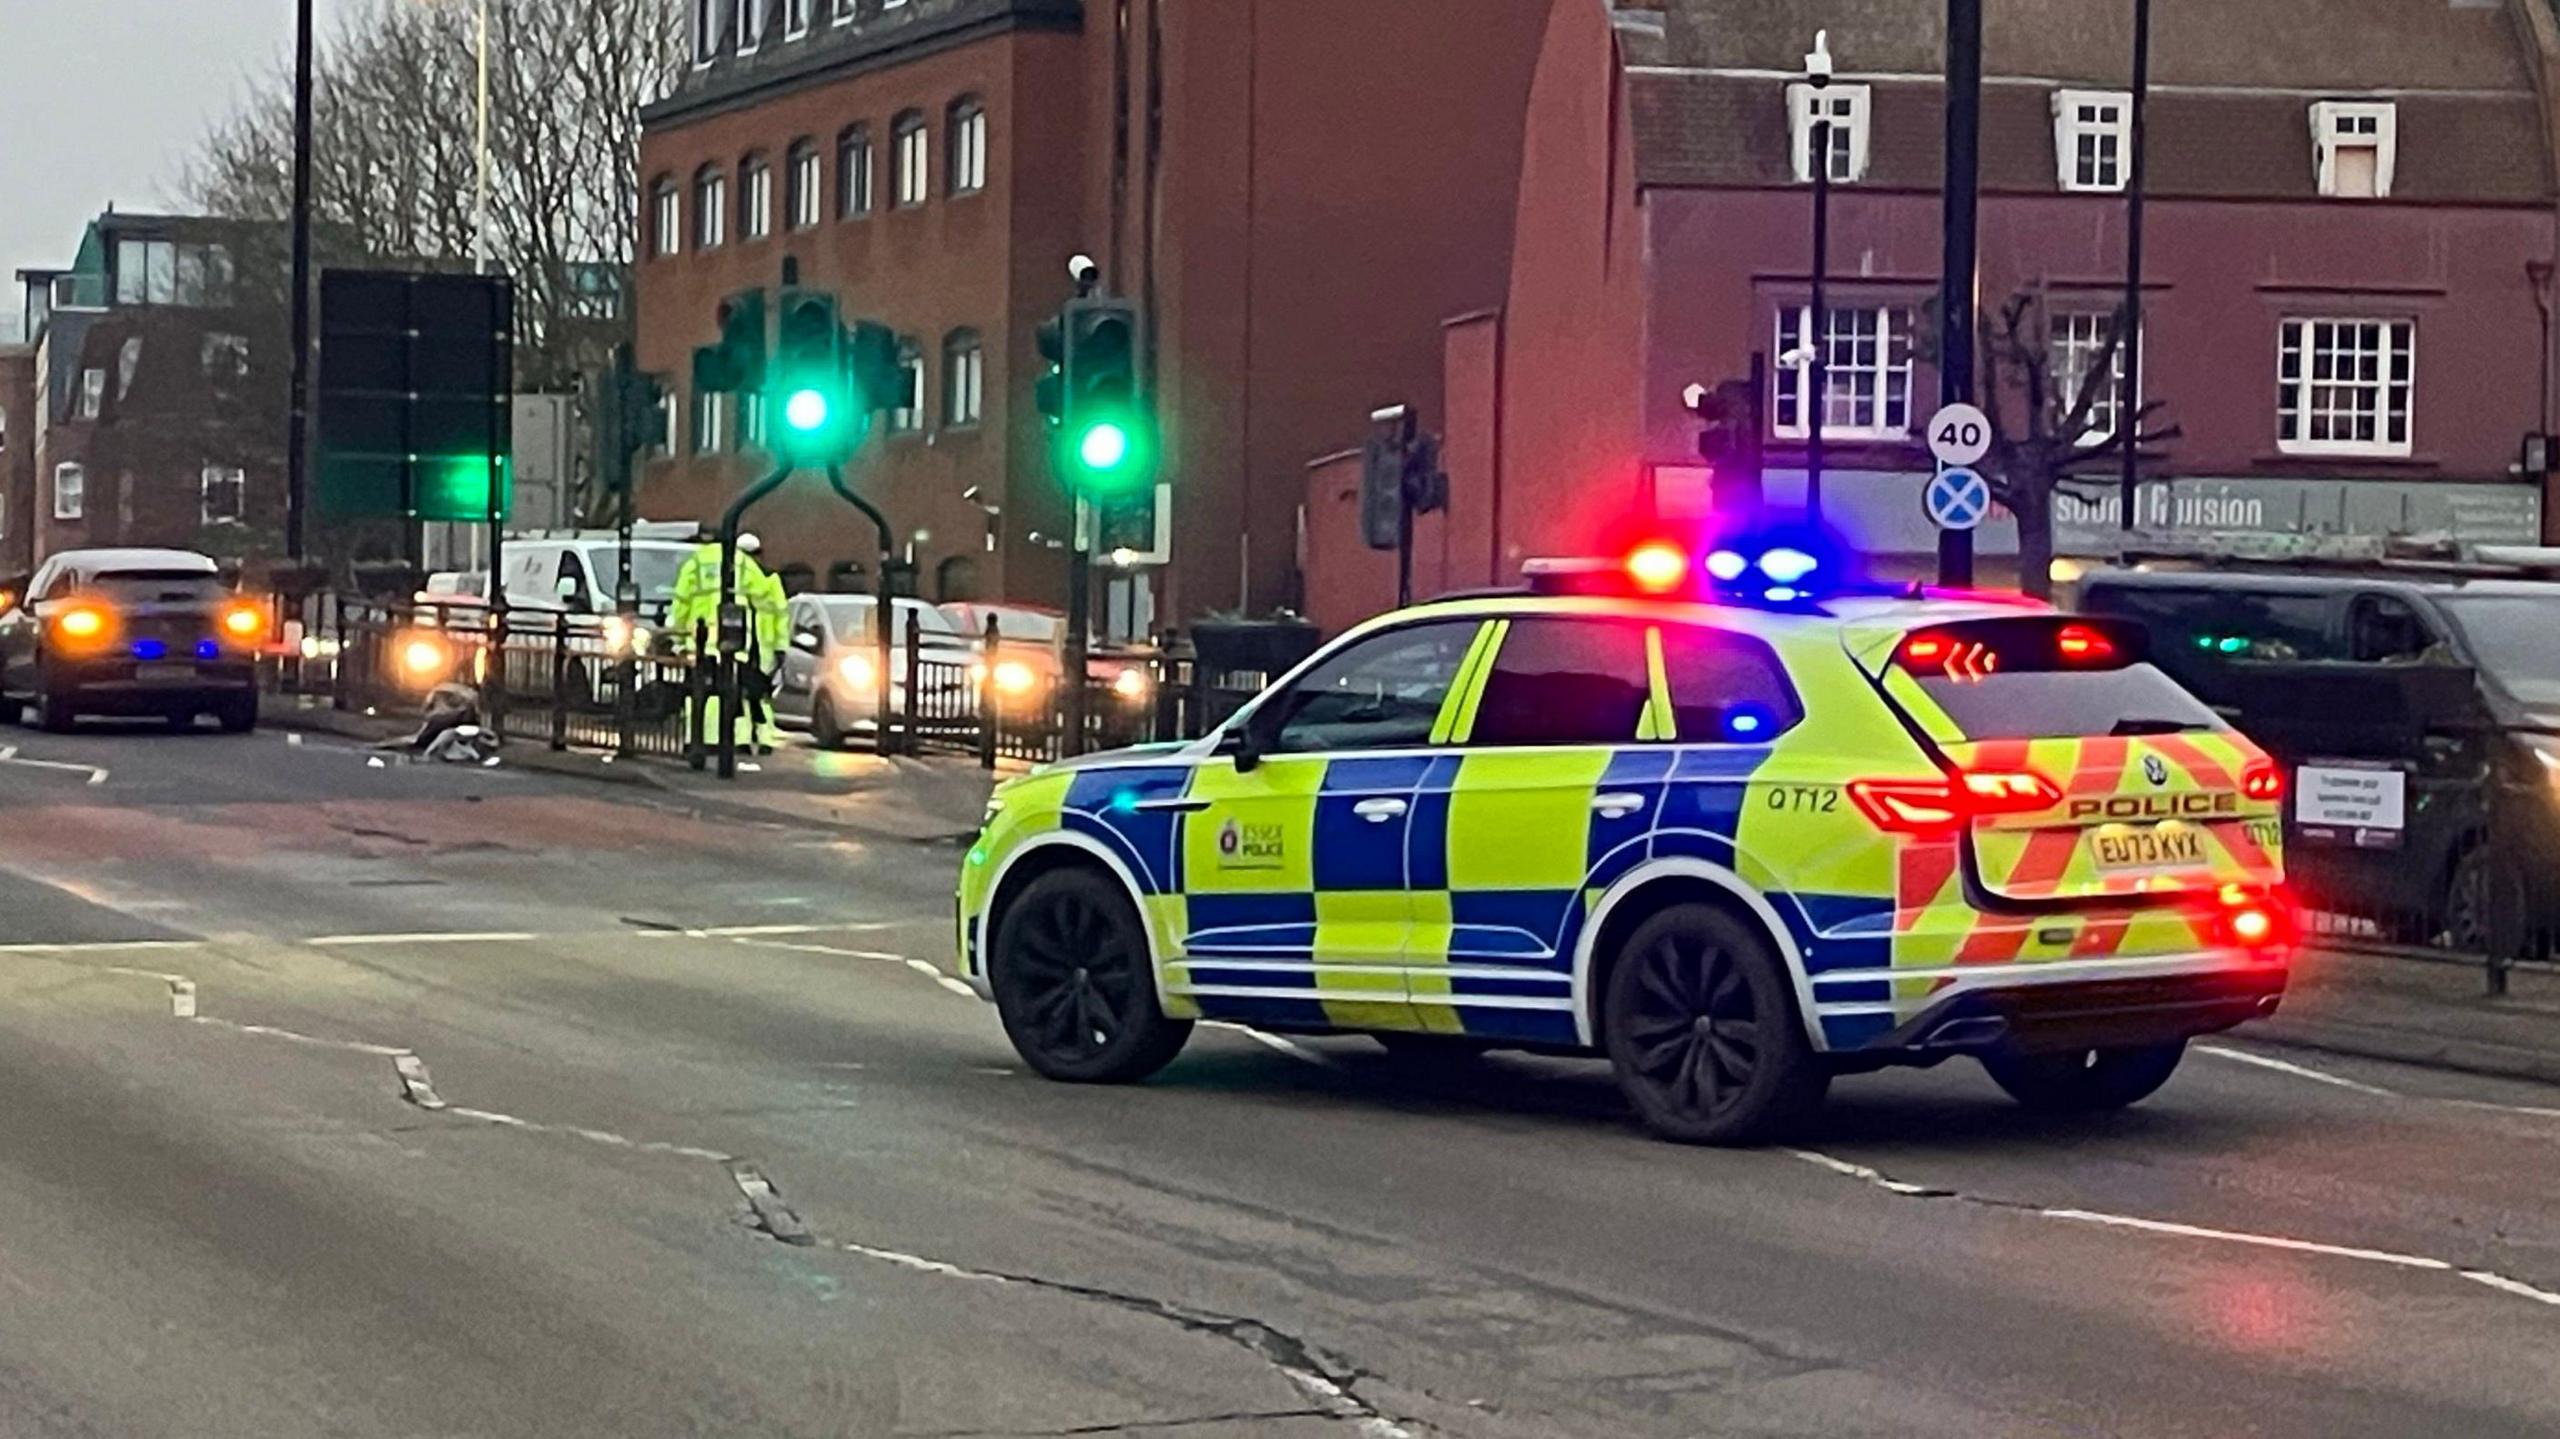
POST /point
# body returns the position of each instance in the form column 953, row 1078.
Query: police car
column 1683, row 811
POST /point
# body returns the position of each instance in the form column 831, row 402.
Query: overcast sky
column 100, row 101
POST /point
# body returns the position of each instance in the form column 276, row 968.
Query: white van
column 578, row 572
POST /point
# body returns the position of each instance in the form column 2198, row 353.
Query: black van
column 2420, row 719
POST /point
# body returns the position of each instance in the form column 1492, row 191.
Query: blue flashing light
column 1124, row 801
column 208, row 650
column 1787, row 565
column 1728, row 565
column 1782, row 594
column 1748, row 721
column 149, row 650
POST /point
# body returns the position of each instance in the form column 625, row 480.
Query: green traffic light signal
column 806, row 411
column 1105, row 447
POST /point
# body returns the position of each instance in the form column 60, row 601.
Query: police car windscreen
column 2046, row 678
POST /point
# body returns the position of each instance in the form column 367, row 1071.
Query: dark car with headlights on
column 133, row 633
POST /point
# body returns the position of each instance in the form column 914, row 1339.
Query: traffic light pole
column 1079, row 623
column 888, row 611
column 724, row 644
column 1959, row 278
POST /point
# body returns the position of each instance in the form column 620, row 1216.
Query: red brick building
column 2350, row 236
column 148, row 407
column 1296, row 192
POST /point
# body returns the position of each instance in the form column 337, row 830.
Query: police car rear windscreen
column 2046, row 677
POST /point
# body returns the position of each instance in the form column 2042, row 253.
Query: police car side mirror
column 1238, row 745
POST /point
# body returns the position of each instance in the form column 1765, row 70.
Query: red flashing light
column 1940, row 806
column 1925, row 651
column 2263, row 780
column 2079, row 644
column 1657, row 567
column 2261, row 922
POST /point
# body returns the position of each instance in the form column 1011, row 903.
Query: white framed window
column 93, row 393
column 706, row 31
column 70, row 491
column 804, row 186
column 224, row 494
column 710, row 422
column 2357, row 145
column 1868, row 384
column 2343, row 387
column 907, row 416
column 668, row 419
column 795, row 17
column 913, row 145
column 710, row 208
column 755, row 198
column 846, row 10
column 964, row 379
column 1847, row 107
column 966, row 147
column 751, row 434
column 666, row 210
column 2093, row 139
column 226, row 357
column 853, row 172
column 2077, row 338
column 746, row 24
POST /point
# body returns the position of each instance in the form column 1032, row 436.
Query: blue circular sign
column 1957, row 499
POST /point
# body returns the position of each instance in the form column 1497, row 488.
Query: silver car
column 829, row 684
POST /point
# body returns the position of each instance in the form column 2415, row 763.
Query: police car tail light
column 2084, row 645
column 2263, row 780
column 1657, row 568
column 2259, row 920
column 1940, row 806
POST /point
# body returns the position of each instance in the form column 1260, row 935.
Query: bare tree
column 2043, row 439
column 394, row 158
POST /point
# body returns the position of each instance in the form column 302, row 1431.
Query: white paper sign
column 2344, row 797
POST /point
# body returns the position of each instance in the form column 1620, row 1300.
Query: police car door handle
column 1379, row 811
column 1616, row 806
column 1170, row 806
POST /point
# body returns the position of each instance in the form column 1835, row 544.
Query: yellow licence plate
column 2161, row 847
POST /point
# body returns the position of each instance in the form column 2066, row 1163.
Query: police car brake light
column 1938, row 807
column 2081, row 644
column 2263, row 780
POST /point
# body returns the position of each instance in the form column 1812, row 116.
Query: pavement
column 412, row 1099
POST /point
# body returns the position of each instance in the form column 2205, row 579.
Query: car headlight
column 858, row 671
column 2545, row 748
column 1131, row 684
column 1013, row 677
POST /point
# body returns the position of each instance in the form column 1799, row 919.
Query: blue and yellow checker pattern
column 1450, row 888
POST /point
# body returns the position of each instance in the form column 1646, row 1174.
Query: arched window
column 666, row 217
column 964, row 379
column 965, row 145
column 909, row 139
column 755, row 197
column 803, row 185
column 710, row 207
column 955, row 580
column 853, row 172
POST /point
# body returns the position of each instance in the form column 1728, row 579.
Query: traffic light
column 1107, row 435
column 878, row 381
column 735, row 365
column 1051, row 392
column 1382, row 462
column 822, row 421
column 1730, row 428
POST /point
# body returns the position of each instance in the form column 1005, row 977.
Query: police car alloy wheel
column 1073, row 984
column 1703, row 1032
column 2084, row 1081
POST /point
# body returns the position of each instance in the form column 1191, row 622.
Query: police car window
column 1381, row 693
column 1726, row 688
column 1560, row 682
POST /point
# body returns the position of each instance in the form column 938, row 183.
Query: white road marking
column 341, row 941
column 290, row 1036
column 118, row 946
column 2171, row 1229
column 2298, row 1071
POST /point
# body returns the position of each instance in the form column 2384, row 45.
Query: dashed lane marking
column 113, row 946
column 342, row 941
column 2298, row 1071
column 9, row 755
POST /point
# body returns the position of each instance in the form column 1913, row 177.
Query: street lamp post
column 2129, row 394
column 480, row 208
column 1817, row 372
column 297, row 487
column 1960, row 271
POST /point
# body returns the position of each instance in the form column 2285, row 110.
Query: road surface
column 353, row 1100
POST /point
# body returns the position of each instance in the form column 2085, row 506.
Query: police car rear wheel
column 1070, row 971
column 1703, row 1033
column 2085, row 1081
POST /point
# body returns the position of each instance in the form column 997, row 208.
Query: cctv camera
column 1694, row 396
column 1083, row 270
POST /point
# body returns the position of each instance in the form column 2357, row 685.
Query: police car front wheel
column 1702, row 1030
column 1073, row 983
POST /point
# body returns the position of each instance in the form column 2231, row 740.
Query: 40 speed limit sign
column 1959, row 435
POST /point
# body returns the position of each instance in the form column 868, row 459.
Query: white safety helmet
column 749, row 544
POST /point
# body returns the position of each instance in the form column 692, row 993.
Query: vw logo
column 2155, row 770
